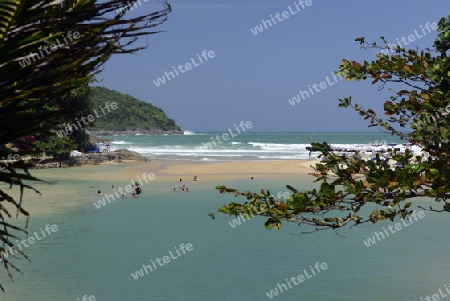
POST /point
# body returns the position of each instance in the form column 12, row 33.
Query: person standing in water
column 137, row 188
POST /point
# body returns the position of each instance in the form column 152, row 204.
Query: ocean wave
column 186, row 151
column 189, row 133
column 278, row 146
column 290, row 157
column 246, row 150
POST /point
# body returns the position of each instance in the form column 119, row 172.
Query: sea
column 184, row 254
column 248, row 146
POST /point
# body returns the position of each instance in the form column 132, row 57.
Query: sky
column 244, row 76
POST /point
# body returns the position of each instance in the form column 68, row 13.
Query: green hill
column 131, row 114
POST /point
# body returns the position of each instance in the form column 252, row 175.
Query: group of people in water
column 183, row 187
column 137, row 188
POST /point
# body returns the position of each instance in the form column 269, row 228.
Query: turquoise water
column 95, row 251
column 243, row 146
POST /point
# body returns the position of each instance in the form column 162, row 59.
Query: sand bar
column 62, row 195
column 211, row 171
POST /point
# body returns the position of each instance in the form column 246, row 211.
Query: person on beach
column 112, row 186
column 99, row 193
column 195, row 180
column 181, row 180
column 123, row 195
column 251, row 178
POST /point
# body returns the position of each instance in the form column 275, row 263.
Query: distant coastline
column 131, row 132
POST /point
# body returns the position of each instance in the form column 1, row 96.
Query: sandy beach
column 212, row 171
column 206, row 171
column 56, row 196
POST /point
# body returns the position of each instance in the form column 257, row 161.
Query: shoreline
column 68, row 188
column 207, row 171
column 76, row 186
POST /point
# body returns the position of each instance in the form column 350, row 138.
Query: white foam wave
column 278, row 146
column 189, row 133
column 255, row 150
column 292, row 157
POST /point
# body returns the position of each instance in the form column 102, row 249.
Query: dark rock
column 96, row 158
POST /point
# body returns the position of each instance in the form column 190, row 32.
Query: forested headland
column 131, row 114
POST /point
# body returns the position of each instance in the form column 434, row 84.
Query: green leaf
column 327, row 189
column 269, row 224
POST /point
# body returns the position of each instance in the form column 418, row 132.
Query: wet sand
column 66, row 192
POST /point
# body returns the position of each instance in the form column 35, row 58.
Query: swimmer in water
column 138, row 189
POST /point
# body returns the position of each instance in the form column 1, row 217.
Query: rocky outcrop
column 48, row 165
column 95, row 140
column 96, row 158
column 125, row 154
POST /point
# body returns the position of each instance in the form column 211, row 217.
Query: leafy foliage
column 350, row 183
column 79, row 104
column 132, row 113
column 36, row 93
column 58, row 147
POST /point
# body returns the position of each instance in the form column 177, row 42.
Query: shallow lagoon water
column 95, row 251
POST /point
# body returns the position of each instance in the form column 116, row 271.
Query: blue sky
column 251, row 77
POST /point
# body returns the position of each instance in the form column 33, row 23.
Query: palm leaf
column 29, row 82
